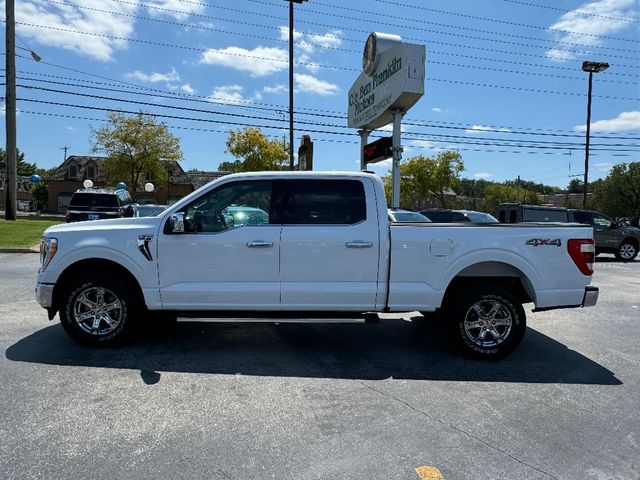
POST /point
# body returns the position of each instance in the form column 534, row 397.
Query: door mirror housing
column 176, row 222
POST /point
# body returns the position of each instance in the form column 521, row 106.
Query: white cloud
column 258, row 62
column 174, row 8
column 68, row 17
column 311, row 84
column 623, row 122
column 425, row 144
column 484, row 128
column 276, row 89
column 605, row 17
column 154, row 77
column 232, row 95
column 436, row 109
column 482, row 175
column 187, row 88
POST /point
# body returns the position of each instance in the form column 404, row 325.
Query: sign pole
column 364, row 138
column 396, row 149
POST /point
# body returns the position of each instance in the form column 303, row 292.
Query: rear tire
column 627, row 251
column 98, row 310
column 488, row 320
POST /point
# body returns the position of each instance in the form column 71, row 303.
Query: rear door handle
column 359, row 244
column 259, row 244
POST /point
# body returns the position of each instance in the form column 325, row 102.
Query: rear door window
column 324, row 202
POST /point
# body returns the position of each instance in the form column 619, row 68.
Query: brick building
column 70, row 175
column 24, row 198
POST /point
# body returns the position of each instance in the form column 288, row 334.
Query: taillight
column 67, row 216
column 583, row 253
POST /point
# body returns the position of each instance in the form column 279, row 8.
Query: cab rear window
column 93, row 200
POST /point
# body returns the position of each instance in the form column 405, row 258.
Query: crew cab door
column 228, row 257
column 329, row 245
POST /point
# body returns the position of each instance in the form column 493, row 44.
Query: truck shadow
column 391, row 349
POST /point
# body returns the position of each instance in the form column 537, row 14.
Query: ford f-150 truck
column 273, row 243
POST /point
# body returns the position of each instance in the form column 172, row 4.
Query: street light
column 591, row 67
column 291, row 2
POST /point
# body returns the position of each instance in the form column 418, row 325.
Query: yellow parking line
column 429, row 473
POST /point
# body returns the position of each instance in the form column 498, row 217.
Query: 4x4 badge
column 535, row 242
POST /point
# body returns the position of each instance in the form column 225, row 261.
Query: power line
column 495, row 20
column 587, row 14
column 279, row 108
column 354, row 142
column 472, row 141
column 207, row 28
column 245, row 23
column 521, row 89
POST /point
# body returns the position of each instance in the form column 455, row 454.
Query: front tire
column 97, row 310
column 627, row 251
column 489, row 321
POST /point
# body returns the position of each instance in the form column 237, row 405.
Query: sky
column 503, row 83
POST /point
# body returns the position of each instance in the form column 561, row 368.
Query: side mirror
column 176, row 222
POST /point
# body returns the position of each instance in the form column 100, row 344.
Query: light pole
column 591, row 67
column 291, row 2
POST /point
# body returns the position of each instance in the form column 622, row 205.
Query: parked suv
column 97, row 203
column 611, row 237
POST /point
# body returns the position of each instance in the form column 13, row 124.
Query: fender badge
column 535, row 242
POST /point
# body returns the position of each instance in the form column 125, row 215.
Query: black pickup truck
column 611, row 237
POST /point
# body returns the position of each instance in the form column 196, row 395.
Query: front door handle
column 359, row 244
column 259, row 244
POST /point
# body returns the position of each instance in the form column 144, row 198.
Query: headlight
column 48, row 249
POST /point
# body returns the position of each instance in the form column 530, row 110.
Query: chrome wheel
column 488, row 323
column 627, row 251
column 98, row 311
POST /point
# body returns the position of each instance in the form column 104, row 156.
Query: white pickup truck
column 274, row 243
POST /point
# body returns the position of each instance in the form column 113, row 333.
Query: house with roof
column 70, row 175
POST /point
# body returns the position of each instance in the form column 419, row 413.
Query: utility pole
column 291, row 2
column 65, row 148
column 10, row 119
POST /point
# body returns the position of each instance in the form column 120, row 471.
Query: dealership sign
column 392, row 80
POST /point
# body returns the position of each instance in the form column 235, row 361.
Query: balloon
column 87, row 183
column 35, row 178
column 121, row 186
column 148, row 187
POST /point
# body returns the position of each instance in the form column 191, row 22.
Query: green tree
column 22, row 168
column 575, row 186
column 136, row 146
column 619, row 193
column 422, row 178
column 498, row 193
column 254, row 152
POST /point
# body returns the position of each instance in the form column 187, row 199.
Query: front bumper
column 44, row 294
column 590, row 296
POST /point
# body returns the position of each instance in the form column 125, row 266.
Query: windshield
column 480, row 217
column 409, row 217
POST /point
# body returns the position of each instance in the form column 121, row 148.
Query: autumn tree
column 422, row 178
column 136, row 146
column 254, row 152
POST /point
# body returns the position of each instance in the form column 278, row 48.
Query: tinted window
column 543, row 215
column 93, row 200
column 409, row 217
column 438, row 217
column 214, row 211
column 333, row 202
column 582, row 217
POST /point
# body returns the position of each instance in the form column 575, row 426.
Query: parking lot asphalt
column 256, row 400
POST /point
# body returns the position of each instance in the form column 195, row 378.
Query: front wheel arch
column 96, row 265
